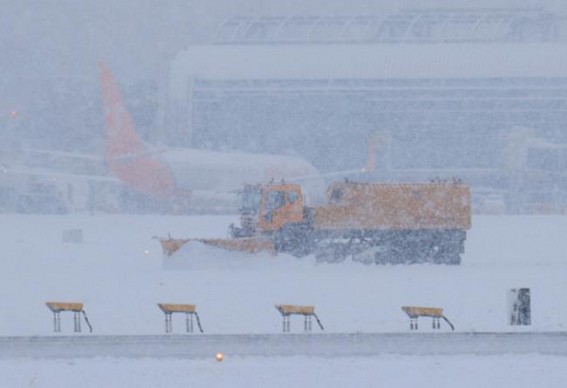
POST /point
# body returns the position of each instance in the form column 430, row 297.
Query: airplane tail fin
column 126, row 155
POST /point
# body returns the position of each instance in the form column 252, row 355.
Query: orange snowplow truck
column 368, row 222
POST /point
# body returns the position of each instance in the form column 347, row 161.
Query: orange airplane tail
column 126, row 155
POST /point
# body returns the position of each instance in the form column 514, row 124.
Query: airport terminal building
column 476, row 94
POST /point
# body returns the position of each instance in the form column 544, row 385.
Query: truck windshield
column 250, row 201
column 276, row 199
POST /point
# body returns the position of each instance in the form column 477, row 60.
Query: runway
column 196, row 346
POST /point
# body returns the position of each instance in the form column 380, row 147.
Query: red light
column 14, row 113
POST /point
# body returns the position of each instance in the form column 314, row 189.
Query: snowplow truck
column 368, row 222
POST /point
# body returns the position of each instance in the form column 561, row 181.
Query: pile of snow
column 196, row 255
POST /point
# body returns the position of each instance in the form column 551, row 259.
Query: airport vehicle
column 370, row 222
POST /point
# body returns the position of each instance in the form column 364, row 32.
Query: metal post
column 168, row 325
column 307, row 323
column 413, row 323
column 77, row 321
column 189, row 322
column 56, row 322
column 286, row 324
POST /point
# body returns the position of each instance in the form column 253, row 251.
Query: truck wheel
column 294, row 239
column 450, row 252
column 383, row 256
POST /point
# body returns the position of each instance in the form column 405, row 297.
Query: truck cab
column 280, row 205
column 267, row 208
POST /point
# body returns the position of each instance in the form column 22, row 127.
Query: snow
column 391, row 371
column 119, row 274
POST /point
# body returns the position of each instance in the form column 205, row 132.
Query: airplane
column 133, row 176
column 187, row 179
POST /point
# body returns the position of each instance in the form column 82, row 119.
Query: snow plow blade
column 249, row 245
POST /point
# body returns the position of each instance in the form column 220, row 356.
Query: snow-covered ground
column 118, row 273
column 385, row 371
